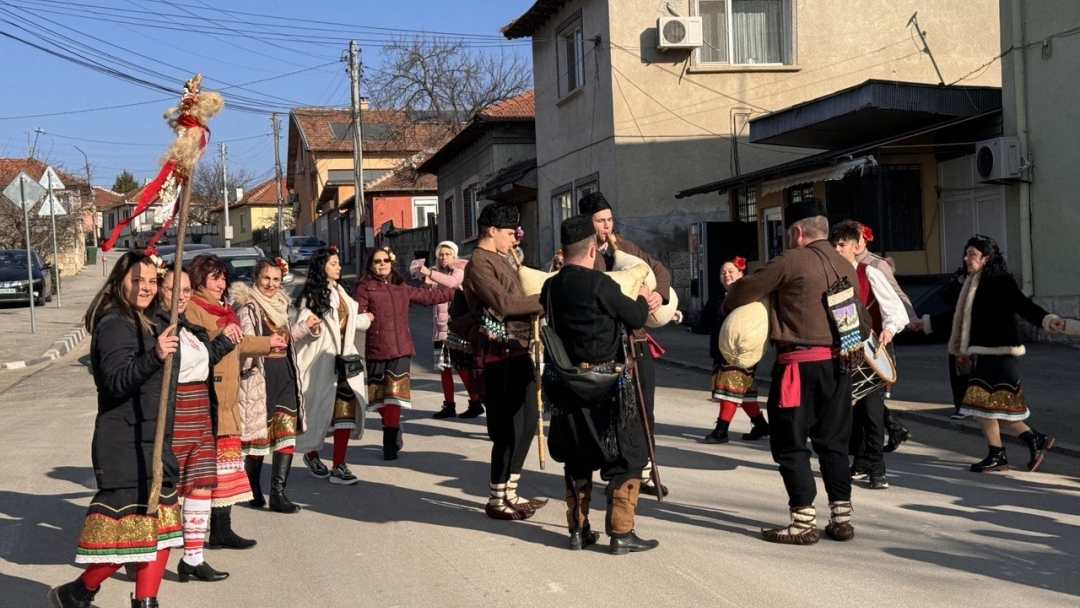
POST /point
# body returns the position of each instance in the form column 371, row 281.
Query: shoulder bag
column 591, row 384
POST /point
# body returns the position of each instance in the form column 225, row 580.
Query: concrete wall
column 1053, row 118
column 663, row 123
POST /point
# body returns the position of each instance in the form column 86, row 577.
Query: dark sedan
column 14, row 283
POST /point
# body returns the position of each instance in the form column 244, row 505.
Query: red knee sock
column 751, row 408
column 287, row 450
column 312, row 455
column 95, row 574
column 727, row 410
column 474, row 395
column 341, row 442
column 447, row 378
column 391, row 416
column 148, row 575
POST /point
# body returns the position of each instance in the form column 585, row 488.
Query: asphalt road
column 413, row 532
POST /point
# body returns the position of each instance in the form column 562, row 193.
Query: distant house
column 493, row 159
column 254, row 217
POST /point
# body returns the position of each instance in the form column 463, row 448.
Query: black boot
column 146, row 602
column 994, row 461
column 253, row 468
column 449, row 410
column 71, row 595
column 221, row 532
column 202, row 572
column 475, row 409
column 719, row 434
column 760, row 429
column 279, row 477
column 621, row 544
column 391, row 442
column 898, row 433
column 1039, row 444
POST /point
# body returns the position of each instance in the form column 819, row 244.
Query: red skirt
column 193, row 438
column 232, row 486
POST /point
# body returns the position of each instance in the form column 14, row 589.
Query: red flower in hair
column 739, row 263
column 867, row 234
column 333, row 249
column 283, row 265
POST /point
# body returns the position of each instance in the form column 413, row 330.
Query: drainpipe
column 1020, row 92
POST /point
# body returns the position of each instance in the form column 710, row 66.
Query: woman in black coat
column 127, row 354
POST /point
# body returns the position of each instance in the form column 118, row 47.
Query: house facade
column 491, row 160
column 615, row 112
column 253, row 218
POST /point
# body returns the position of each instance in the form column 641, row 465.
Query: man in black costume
column 588, row 310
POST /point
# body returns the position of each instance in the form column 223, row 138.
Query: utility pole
column 225, row 197
column 358, row 151
column 93, row 203
column 277, row 184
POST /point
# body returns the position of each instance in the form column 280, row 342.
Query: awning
column 834, row 172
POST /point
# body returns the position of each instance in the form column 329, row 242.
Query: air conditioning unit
column 678, row 33
column 998, row 159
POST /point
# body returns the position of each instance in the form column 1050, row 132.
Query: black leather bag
column 592, row 384
column 349, row 366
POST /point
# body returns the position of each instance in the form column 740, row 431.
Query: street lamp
column 39, row 132
column 93, row 207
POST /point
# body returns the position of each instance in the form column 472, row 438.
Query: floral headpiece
column 739, row 262
column 519, row 232
column 283, row 265
column 155, row 259
column 867, row 234
column 333, row 249
column 389, row 253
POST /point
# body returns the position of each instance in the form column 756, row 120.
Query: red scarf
column 225, row 315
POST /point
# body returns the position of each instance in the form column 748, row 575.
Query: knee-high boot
column 221, row 532
column 622, row 501
column 253, row 468
column 279, row 477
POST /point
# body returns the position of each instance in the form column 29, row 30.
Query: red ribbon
column 791, row 382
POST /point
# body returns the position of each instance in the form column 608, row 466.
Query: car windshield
column 305, row 241
column 12, row 259
column 241, row 269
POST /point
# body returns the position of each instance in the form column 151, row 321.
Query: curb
column 58, row 349
column 946, row 423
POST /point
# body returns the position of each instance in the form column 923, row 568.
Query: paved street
column 413, row 533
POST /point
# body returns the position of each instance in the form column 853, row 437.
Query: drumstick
column 611, row 243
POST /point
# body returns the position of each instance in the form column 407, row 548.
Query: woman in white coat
column 335, row 328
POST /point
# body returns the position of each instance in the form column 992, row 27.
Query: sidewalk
column 922, row 392
column 58, row 329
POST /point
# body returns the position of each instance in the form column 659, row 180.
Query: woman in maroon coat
column 389, row 347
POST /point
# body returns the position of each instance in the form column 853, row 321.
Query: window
column 799, row 193
column 570, row 55
column 338, row 177
column 468, row 212
column 746, row 32
column 897, row 220
column 587, row 185
column 422, row 206
column 243, row 221
column 562, row 208
column 746, row 204
column 448, row 218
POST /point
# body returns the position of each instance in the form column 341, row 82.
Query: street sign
column 56, row 183
column 51, row 206
column 24, row 191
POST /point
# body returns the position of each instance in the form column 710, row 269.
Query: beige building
column 254, row 217
column 615, row 112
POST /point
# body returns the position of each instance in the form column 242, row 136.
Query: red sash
column 791, row 382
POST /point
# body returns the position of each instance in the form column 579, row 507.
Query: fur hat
column 451, row 245
column 806, row 208
column 499, row 216
column 576, row 229
column 593, row 202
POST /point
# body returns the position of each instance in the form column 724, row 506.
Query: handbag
column 588, row 384
column 347, row 366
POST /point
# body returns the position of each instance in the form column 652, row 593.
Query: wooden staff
column 538, row 361
column 631, row 355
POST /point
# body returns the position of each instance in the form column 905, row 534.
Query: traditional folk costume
column 867, row 440
column 450, row 277
column 232, row 483
column 588, row 311
column 810, row 394
column 390, row 348
column 985, row 337
column 271, row 405
column 331, row 401
column 500, row 328
column 732, row 385
column 590, row 204
column 117, row 529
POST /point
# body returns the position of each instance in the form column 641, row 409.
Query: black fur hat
column 806, row 208
column 593, row 202
column 576, row 229
column 499, row 216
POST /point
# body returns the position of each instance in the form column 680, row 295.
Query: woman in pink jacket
column 448, row 273
column 389, row 346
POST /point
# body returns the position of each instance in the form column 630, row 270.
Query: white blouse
column 194, row 358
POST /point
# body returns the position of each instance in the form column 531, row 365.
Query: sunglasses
column 380, row 260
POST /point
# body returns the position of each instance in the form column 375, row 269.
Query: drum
column 876, row 371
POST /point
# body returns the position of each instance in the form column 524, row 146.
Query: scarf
column 223, row 312
column 274, row 308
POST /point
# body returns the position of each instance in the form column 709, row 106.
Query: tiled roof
column 105, row 198
column 10, row 167
column 383, row 131
column 537, row 15
column 516, row 109
column 404, row 178
column 522, row 107
column 262, row 195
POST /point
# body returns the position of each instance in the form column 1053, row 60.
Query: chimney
column 364, row 103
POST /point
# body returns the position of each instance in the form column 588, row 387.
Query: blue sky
column 263, row 55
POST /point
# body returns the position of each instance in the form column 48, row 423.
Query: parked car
column 299, row 248
column 142, row 238
column 14, row 283
column 166, row 251
column 241, row 262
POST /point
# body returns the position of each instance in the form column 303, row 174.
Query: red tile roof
column 522, row 107
column 404, row 178
column 384, row 131
column 105, row 198
column 10, row 167
column 516, row 109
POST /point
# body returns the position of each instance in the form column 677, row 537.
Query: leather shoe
column 202, row 572
column 582, row 537
column 621, row 544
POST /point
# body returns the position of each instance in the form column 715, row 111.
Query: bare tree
column 444, row 81
column 206, row 188
column 12, row 235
